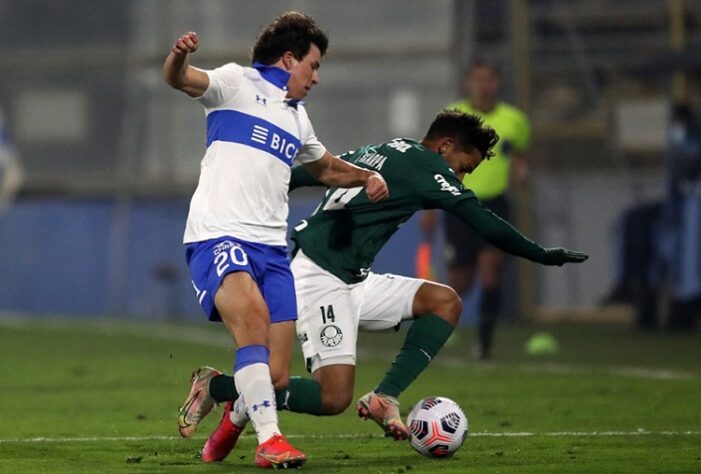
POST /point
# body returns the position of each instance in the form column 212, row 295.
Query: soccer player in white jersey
column 236, row 229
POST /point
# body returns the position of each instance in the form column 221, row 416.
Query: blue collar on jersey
column 277, row 77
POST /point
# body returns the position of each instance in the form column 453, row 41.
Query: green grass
column 104, row 396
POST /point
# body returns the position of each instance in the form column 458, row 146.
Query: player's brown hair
column 291, row 31
column 467, row 130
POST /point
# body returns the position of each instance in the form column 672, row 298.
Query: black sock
column 489, row 311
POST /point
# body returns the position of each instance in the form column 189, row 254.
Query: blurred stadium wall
column 111, row 154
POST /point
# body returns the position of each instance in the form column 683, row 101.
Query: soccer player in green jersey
column 337, row 294
column 468, row 256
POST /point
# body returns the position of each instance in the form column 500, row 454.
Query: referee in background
column 467, row 255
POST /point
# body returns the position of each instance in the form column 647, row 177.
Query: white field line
column 219, row 338
column 522, row 434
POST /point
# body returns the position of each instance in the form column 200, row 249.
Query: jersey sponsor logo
column 446, row 186
column 236, row 127
column 261, row 100
column 331, row 335
column 260, row 134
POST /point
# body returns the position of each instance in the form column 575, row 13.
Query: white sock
column 255, row 387
column 238, row 415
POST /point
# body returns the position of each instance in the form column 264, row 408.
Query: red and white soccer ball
column 438, row 427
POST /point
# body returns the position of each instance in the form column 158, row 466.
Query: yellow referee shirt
column 491, row 178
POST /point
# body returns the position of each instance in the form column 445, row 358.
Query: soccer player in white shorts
column 378, row 303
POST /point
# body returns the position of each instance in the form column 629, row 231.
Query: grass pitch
column 102, row 397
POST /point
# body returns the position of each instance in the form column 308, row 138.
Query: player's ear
column 445, row 145
column 289, row 60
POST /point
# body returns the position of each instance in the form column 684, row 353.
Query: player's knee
column 448, row 304
column 334, row 402
column 441, row 300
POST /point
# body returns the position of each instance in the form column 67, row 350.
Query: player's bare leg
column 245, row 314
column 223, row 440
column 281, row 340
column 337, row 382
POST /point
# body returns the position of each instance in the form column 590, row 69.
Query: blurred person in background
column 11, row 174
column 236, row 231
column 658, row 243
column 682, row 217
column 468, row 256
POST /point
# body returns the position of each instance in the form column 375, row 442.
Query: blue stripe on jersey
column 237, row 127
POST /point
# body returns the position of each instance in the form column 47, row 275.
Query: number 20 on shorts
column 224, row 258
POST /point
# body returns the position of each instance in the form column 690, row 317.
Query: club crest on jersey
column 261, row 100
column 331, row 335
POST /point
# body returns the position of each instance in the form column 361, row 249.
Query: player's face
column 482, row 83
column 461, row 161
column 304, row 74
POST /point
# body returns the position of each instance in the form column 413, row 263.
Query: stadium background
column 99, row 328
column 111, row 154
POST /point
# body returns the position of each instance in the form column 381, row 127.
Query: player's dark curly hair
column 291, row 31
column 467, row 130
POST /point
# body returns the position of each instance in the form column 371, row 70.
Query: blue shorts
column 269, row 266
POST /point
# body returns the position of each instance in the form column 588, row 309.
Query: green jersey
column 347, row 230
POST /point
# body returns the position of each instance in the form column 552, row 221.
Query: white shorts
column 331, row 311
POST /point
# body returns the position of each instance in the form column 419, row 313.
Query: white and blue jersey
column 238, row 213
column 254, row 134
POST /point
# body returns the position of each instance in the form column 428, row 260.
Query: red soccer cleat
column 223, row 439
column 278, row 453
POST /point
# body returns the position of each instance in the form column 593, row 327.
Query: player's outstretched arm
column 503, row 235
column 333, row 171
column 177, row 71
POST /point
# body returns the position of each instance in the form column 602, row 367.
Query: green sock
column 425, row 338
column 222, row 388
column 301, row 396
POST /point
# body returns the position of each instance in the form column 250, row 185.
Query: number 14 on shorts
column 327, row 314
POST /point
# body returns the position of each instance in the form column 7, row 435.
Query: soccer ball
column 438, row 427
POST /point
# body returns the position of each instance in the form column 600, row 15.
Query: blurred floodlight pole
column 520, row 50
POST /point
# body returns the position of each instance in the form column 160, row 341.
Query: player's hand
column 187, row 43
column 376, row 187
column 559, row 256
